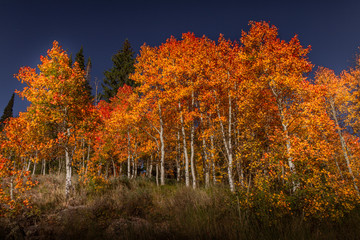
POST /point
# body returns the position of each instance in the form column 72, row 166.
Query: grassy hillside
column 138, row 209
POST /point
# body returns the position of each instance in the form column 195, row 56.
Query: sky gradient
column 28, row 29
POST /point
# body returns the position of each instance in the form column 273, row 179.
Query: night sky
column 28, row 29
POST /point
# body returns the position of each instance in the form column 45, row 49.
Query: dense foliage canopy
column 200, row 112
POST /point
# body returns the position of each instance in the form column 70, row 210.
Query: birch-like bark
column 192, row 151
column 34, row 169
column 206, row 164
column 135, row 168
column 129, row 158
column 12, row 188
column 228, row 143
column 147, row 167
column 212, row 153
column 230, row 148
column 343, row 146
column 178, row 156
column 285, row 129
column 162, row 148
column 99, row 169
column 213, row 159
column 28, row 165
column 288, row 143
column 157, row 175
column 150, row 167
column 43, row 167
column 187, row 178
column 68, row 168
column 135, row 160
column 286, row 132
column 206, row 160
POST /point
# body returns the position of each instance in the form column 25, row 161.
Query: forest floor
column 138, row 209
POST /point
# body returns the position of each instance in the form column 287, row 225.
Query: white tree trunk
column 288, row 145
column 285, row 129
column 206, row 162
column 34, row 168
column 157, row 175
column 28, row 165
column 162, row 149
column 150, row 167
column 213, row 159
column 68, row 160
column 227, row 139
column 12, row 188
column 129, row 158
column 135, row 167
column 343, row 146
column 43, row 169
column 192, row 151
column 187, row 178
column 178, row 156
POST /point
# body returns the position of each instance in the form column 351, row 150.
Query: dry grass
column 129, row 209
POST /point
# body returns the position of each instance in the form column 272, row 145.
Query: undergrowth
column 138, row 209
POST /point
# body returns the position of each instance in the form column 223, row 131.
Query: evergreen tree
column 70, row 60
column 118, row 75
column 87, row 77
column 8, row 112
column 80, row 59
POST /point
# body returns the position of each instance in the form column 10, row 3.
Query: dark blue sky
column 28, row 29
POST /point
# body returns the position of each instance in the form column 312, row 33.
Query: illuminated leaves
column 243, row 112
column 14, row 184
